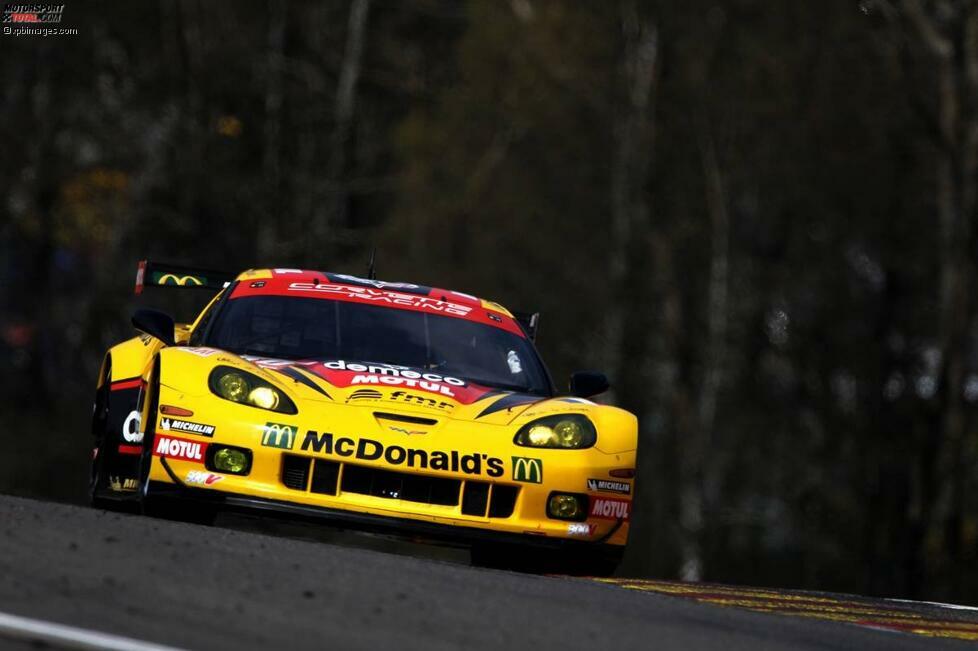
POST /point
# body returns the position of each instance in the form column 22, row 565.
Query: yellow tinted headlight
column 569, row 433
column 233, row 386
column 264, row 397
column 565, row 507
column 230, row 460
column 248, row 389
column 541, row 436
column 564, row 431
column 234, row 461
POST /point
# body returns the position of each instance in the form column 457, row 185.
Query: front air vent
column 366, row 480
column 475, row 498
column 503, row 501
column 295, row 471
column 402, row 418
column 324, row 476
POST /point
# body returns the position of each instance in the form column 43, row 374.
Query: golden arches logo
column 183, row 281
column 276, row 435
column 528, row 470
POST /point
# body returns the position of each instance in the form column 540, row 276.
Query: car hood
column 427, row 394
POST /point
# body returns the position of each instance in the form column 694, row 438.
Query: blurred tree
column 758, row 218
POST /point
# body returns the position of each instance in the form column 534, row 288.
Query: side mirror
column 585, row 384
column 155, row 324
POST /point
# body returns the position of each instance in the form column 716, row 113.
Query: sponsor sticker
column 420, row 401
column 364, row 449
column 581, row 529
column 162, row 278
column 173, row 424
column 528, row 470
column 277, row 435
column 609, row 486
column 513, row 360
column 369, row 379
column 434, row 387
column 610, row 508
column 375, row 296
column 392, row 371
column 203, row 478
column 123, row 483
column 396, row 376
column 365, row 394
column 200, row 351
column 177, row 448
column 131, row 428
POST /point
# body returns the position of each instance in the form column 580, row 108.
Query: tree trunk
column 948, row 39
column 333, row 215
column 701, row 476
column 633, row 148
column 271, row 160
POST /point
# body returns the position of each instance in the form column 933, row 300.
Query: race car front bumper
column 404, row 528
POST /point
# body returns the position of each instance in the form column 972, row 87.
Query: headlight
column 566, row 431
column 234, row 461
column 563, row 506
column 248, row 389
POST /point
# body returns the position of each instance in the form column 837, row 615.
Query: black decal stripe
column 508, row 401
column 490, row 394
column 300, row 377
column 169, row 471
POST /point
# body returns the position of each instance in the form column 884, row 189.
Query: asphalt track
column 194, row 587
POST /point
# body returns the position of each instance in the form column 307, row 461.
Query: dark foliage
column 760, row 218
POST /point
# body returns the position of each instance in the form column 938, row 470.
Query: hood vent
column 415, row 420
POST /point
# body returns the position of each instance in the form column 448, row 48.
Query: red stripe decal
column 130, row 449
column 127, row 384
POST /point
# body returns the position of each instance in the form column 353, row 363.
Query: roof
column 398, row 295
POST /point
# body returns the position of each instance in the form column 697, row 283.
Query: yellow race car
column 372, row 405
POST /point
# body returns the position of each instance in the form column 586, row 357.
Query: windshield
column 314, row 328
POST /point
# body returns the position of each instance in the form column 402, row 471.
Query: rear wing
column 160, row 274
column 530, row 323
